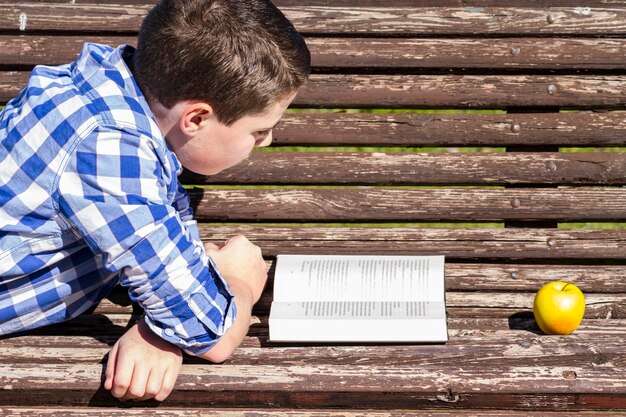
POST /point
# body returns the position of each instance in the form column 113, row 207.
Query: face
column 204, row 145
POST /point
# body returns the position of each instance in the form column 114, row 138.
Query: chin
column 208, row 169
column 202, row 171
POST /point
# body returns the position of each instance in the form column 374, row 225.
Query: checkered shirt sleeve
column 114, row 192
column 183, row 205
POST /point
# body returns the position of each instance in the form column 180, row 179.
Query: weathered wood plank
column 453, row 243
column 555, row 54
column 382, row 53
column 438, row 3
column 573, row 386
column 405, row 205
column 446, row 21
column 382, row 3
column 365, row 168
column 462, row 91
column 514, row 348
column 101, row 330
column 214, row 412
column 458, row 304
column 604, row 279
column 342, row 20
column 529, row 277
column 32, row 17
column 435, row 91
column 433, row 3
column 25, row 50
column 408, row 129
column 601, row 308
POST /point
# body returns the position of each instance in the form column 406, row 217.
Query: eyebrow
column 270, row 128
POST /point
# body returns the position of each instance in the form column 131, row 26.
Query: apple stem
column 563, row 289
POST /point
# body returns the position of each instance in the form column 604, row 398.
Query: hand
column 141, row 365
column 240, row 260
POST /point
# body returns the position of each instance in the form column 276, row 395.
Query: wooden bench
column 505, row 212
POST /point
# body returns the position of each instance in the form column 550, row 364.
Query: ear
column 195, row 116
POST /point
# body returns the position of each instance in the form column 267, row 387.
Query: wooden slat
column 462, row 304
column 405, row 205
column 498, row 54
column 603, row 279
column 382, row 3
column 222, row 412
column 430, row 3
column 447, row 91
column 51, row 50
column 472, row 20
column 572, row 386
column 511, row 346
column 30, row 17
column 381, row 168
column 342, row 20
column 409, row 129
column 530, row 277
column 453, row 243
column 501, row 54
column 104, row 329
column 459, row 91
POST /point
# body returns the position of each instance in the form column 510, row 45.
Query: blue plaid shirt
column 89, row 197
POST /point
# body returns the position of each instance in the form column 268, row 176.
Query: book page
column 354, row 278
column 358, row 298
column 313, row 321
column 316, row 310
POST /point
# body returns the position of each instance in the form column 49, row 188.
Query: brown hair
column 240, row 56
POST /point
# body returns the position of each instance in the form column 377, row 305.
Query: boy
column 89, row 196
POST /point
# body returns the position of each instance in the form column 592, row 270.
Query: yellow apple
column 559, row 307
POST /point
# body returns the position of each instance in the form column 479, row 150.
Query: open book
column 354, row 298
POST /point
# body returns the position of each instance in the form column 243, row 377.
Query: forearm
column 236, row 333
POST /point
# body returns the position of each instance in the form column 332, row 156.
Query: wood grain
column 380, row 168
column 547, row 244
column 435, row 91
column 378, row 3
column 100, row 330
column 352, row 20
column 573, row 386
column 458, row 304
column 358, row 54
column 582, row 128
column 462, row 91
column 490, row 277
column 514, row 347
column 217, row 412
column 406, row 205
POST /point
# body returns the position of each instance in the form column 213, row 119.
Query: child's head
column 231, row 59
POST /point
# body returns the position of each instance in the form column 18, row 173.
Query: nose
column 266, row 142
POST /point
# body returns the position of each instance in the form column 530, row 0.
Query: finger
column 137, row 387
column 167, row 385
column 110, row 369
column 209, row 246
column 153, row 385
column 236, row 238
column 122, row 378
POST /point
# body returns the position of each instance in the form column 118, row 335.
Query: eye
column 263, row 132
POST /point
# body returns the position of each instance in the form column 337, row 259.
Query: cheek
column 245, row 146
